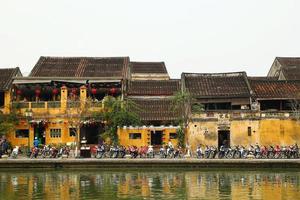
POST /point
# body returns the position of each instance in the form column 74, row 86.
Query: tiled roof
column 6, row 76
column 148, row 67
column 271, row 89
column 155, row 109
column 153, row 87
column 217, row 85
column 290, row 67
column 80, row 67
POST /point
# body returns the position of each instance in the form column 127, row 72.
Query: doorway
column 223, row 138
column 40, row 133
column 91, row 133
column 156, row 138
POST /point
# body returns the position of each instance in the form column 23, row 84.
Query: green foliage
column 117, row 113
column 181, row 136
column 7, row 122
column 184, row 104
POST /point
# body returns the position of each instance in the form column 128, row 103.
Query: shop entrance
column 223, row 138
column 156, row 137
column 91, row 133
column 40, row 133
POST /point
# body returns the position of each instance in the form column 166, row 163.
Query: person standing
column 36, row 142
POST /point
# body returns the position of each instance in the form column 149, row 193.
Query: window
column 135, row 136
column 22, row 133
column 72, row 132
column 55, row 133
column 173, row 135
column 249, row 131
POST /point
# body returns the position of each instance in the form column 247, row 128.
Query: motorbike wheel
column 237, row 155
column 271, row 155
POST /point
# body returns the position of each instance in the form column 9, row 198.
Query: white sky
column 190, row 36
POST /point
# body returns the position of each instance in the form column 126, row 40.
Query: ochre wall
column 263, row 132
column 123, row 135
column 63, row 125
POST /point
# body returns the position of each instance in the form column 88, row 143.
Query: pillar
column 64, row 98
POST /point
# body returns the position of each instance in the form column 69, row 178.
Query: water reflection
column 150, row 185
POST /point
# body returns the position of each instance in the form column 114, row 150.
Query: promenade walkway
column 148, row 163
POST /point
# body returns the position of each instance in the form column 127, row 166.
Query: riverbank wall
column 147, row 163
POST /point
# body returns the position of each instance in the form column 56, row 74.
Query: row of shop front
column 266, row 131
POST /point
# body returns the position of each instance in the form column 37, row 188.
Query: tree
column 116, row 113
column 7, row 122
column 184, row 103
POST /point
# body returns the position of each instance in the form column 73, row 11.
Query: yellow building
column 56, row 101
column 241, row 110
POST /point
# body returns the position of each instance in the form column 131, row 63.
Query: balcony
column 244, row 115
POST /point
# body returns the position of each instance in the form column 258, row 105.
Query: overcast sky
column 190, row 36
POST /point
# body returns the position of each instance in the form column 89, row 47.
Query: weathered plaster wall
column 263, row 132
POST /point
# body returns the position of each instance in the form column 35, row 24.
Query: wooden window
column 22, row 133
column 249, row 131
column 135, row 136
column 55, row 132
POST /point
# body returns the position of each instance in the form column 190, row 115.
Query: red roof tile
column 6, row 76
column 218, row 85
column 270, row 89
column 148, row 67
column 155, row 109
column 153, row 87
column 80, row 67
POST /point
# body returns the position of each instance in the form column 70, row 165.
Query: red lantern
column 55, row 91
column 37, row 92
column 94, row 91
column 19, row 92
column 113, row 90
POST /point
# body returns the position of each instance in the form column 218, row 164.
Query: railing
column 73, row 104
column 39, row 104
column 54, row 104
column 96, row 104
column 244, row 114
column 20, row 105
column 276, row 114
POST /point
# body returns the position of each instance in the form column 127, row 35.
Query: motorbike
column 150, row 152
column 15, row 152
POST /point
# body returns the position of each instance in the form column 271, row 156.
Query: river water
column 153, row 184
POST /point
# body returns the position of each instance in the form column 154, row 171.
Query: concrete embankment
column 146, row 163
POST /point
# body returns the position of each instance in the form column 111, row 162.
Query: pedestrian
column 36, row 142
column 1, row 148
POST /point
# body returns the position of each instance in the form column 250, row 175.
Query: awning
column 104, row 81
column 30, row 81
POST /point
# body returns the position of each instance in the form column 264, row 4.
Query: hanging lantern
column 19, row 92
column 113, row 90
column 94, row 91
column 55, row 91
column 37, row 92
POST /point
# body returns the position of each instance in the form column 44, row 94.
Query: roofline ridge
column 82, row 57
column 242, row 73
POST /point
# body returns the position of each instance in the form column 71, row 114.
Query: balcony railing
column 20, row 105
column 39, row 104
column 54, row 104
column 73, row 104
column 97, row 104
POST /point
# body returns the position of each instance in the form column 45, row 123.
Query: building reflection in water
column 150, row 185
